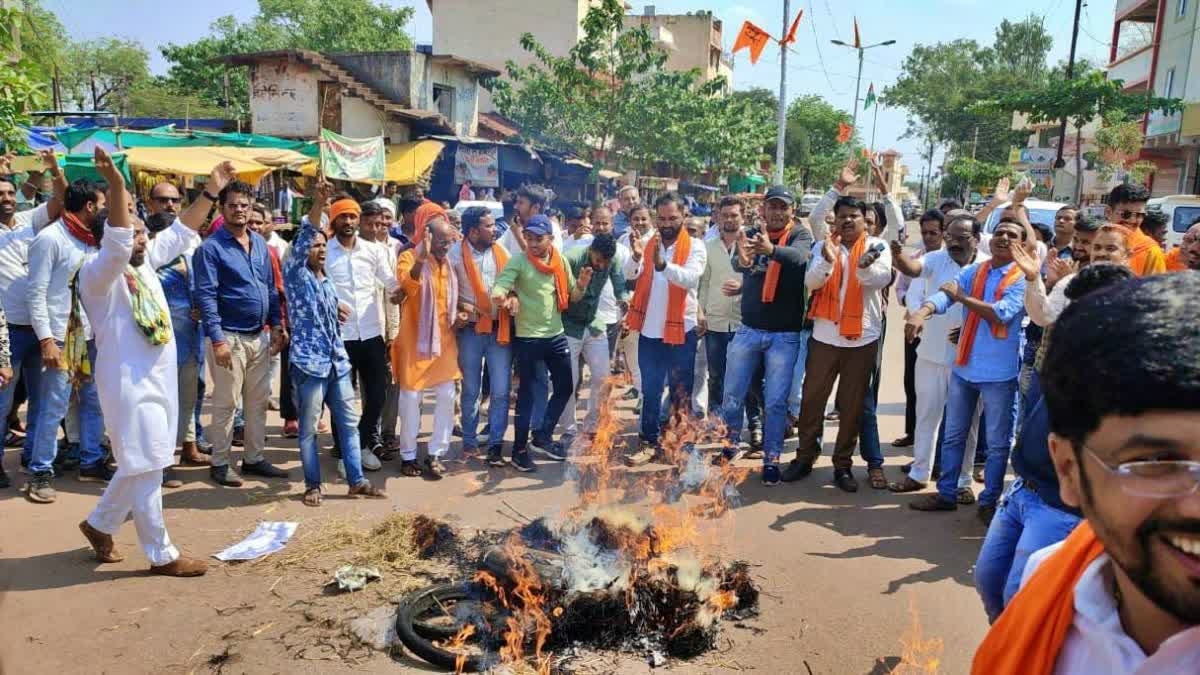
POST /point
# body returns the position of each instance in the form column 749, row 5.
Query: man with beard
column 986, row 366
column 629, row 199
column 135, row 375
column 17, row 231
column 1177, row 257
column 1081, row 242
column 772, row 265
column 1122, row 593
column 935, row 351
column 1126, row 205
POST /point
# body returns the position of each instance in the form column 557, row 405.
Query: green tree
column 811, row 146
column 19, row 86
column 971, row 175
column 99, row 74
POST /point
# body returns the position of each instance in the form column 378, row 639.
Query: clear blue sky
column 909, row 22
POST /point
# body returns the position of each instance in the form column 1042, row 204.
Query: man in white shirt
column 357, row 268
column 17, row 230
column 1121, row 594
column 670, row 268
column 847, row 274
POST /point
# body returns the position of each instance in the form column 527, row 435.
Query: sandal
column 907, row 485
column 365, row 489
column 409, row 468
column 312, row 497
column 876, row 478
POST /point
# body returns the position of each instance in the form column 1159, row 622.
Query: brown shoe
column 181, row 567
column 877, row 480
column 190, row 455
column 964, row 496
column 907, row 485
column 933, row 502
column 102, row 544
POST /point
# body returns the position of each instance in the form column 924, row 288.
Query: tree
column 973, row 175
column 321, row 25
column 1079, row 100
column 811, row 146
column 19, row 87
column 99, row 74
column 1118, row 143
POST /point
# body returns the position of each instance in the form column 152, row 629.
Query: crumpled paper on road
column 354, row 578
column 267, row 538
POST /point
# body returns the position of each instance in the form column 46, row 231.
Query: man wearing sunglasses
column 1126, row 206
column 164, row 198
column 1122, row 593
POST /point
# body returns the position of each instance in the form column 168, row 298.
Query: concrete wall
column 361, row 119
column 697, row 43
column 390, row 73
column 465, row 119
column 283, row 100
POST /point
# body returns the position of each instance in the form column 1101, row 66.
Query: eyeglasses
column 1132, row 215
column 169, row 200
column 1154, row 479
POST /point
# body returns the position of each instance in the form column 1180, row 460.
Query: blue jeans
column 664, row 365
column 55, row 393
column 798, row 374
column 776, row 352
column 1023, row 524
column 716, row 347
column 27, row 365
column 312, row 394
column 474, row 350
column 533, row 355
column 868, row 431
column 999, row 411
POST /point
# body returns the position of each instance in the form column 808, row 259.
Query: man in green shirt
column 587, row 332
column 537, row 288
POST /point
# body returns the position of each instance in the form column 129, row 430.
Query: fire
column 920, row 656
column 458, row 642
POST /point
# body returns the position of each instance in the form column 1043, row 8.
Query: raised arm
column 196, row 213
column 99, row 273
column 54, row 207
column 816, row 218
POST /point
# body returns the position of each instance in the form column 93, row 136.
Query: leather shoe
column 795, row 471
column 190, row 455
column 933, row 502
column 181, row 567
column 262, row 468
column 102, row 544
column 844, row 479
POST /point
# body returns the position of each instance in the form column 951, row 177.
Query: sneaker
column 521, row 461
column 99, row 473
column 39, row 490
column 495, row 456
column 933, row 502
column 370, row 462
column 645, row 454
column 263, row 469
column 964, row 497
column 552, row 450
column 225, row 475
column 771, row 475
column 291, row 429
column 239, row 436
column 170, row 478
column 986, row 512
column 795, row 471
column 631, row 395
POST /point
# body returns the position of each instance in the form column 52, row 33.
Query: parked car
column 1181, row 212
column 496, row 208
column 807, row 202
column 1039, row 212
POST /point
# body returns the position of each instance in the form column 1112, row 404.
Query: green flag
column 355, row 159
column 870, row 96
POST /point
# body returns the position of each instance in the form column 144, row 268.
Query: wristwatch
column 211, row 198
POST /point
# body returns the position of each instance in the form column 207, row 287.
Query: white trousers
column 932, row 384
column 594, row 349
column 410, row 420
column 141, row 495
column 700, row 380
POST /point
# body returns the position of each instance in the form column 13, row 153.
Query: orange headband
column 342, row 207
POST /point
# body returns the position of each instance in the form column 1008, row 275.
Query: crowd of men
column 109, row 330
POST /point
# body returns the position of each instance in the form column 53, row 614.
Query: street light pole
column 781, row 117
column 858, row 81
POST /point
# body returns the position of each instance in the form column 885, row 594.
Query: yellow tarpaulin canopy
column 406, row 162
column 251, row 164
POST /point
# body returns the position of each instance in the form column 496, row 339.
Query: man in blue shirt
column 629, row 197
column 236, row 295
column 989, row 360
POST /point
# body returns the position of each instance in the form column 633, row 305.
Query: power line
column 817, row 41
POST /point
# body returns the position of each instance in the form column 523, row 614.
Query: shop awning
column 407, row 163
column 249, row 163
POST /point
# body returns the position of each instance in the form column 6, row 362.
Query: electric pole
column 781, row 117
column 1062, row 129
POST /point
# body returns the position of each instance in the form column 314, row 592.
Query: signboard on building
column 1038, row 156
column 480, row 165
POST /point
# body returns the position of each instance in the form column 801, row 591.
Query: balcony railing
column 1132, row 68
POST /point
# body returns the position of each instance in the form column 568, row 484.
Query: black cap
column 780, row 192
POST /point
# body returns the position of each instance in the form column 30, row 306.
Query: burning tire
column 426, row 621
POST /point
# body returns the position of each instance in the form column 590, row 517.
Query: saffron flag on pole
column 751, row 37
column 857, row 37
column 870, row 96
column 354, row 159
column 844, row 132
column 791, row 34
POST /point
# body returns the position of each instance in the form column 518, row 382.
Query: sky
column 814, row 65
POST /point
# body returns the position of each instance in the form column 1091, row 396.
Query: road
column 840, row 571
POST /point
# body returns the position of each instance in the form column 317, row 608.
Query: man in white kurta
column 136, row 382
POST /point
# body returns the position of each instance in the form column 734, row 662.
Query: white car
column 1039, row 212
column 1181, row 212
column 807, row 202
column 496, row 208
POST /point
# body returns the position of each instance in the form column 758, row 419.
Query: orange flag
column 754, row 38
column 791, row 34
column 857, row 37
column 844, row 132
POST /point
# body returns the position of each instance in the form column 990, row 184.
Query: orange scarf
column 966, row 339
column 1142, row 253
column 559, row 269
column 826, row 303
column 482, row 302
column 773, row 267
column 1028, row 636
column 425, row 213
column 673, row 333
column 1175, row 261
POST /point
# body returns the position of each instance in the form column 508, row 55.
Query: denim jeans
column 798, row 374
column 868, row 434
column 474, row 351
column 534, row 355
column 999, row 411
column 664, row 365
column 55, row 393
column 1023, row 524
column 776, row 352
column 716, row 347
column 27, row 367
column 312, row 394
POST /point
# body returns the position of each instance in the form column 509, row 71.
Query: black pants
column 369, row 364
column 910, row 387
column 530, row 355
column 287, row 397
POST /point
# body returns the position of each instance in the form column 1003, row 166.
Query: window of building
column 443, row 100
column 1181, row 8
column 1169, row 87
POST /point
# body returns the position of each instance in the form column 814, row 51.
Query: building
column 692, row 41
column 294, row 93
column 894, row 174
column 1156, row 48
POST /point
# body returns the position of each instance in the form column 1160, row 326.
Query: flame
column 920, row 656
column 458, row 642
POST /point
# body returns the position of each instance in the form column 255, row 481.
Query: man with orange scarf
column 1177, row 258
column 663, row 311
column 537, row 287
column 1122, row 593
column 992, row 296
column 1126, row 205
column 486, row 338
column 772, row 265
column 847, row 273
